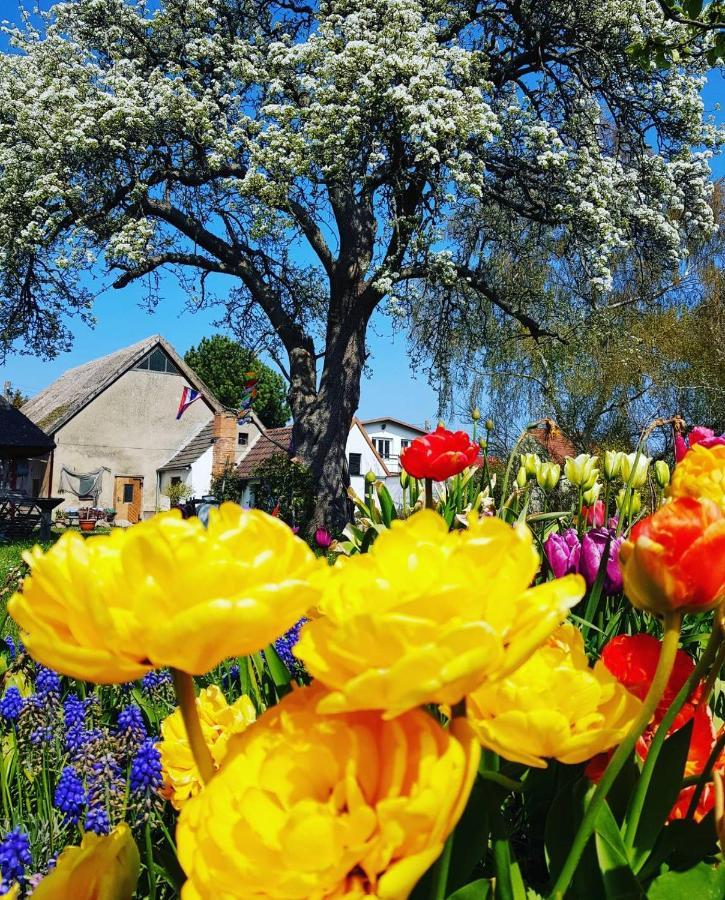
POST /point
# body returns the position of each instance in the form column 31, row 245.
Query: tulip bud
column 370, row 477
column 591, row 495
column 631, row 506
column 581, row 471
column 635, row 468
column 476, row 414
column 531, row 463
column 489, row 424
column 612, row 464
column 662, row 473
column 483, row 444
column 404, row 478
column 547, row 475
column 441, row 423
column 521, row 477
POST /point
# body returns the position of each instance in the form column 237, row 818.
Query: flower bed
column 466, row 705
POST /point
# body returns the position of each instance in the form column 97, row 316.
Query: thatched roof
column 76, row 388
column 19, row 437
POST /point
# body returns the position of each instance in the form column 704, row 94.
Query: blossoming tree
column 318, row 154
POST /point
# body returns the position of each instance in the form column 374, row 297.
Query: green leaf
column 565, row 815
column 470, row 839
column 703, row 882
column 386, row 504
column 509, row 883
column 681, row 845
column 692, row 8
column 277, row 669
column 475, row 890
column 619, row 880
column 663, row 790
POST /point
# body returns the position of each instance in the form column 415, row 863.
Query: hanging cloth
column 79, row 484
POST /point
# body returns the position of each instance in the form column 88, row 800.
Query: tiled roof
column 192, row 450
column 269, row 444
column 76, row 388
column 396, row 421
column 556, row 444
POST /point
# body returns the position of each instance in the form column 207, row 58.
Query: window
column 128, row 493
column 354, row 463
column 158, row 361
column 404, row 444
column 382, row 445
column 176, row 479
column 242, row 439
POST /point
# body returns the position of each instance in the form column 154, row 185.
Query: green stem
column 497, row 778
column 429, row 493
column 184, row 688
column 439, row 881
column 706, row 775
column 636, row 803
column 666, row 661
column 150, row 862
column 714, row 672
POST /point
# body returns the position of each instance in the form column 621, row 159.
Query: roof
column 19, row 437
column 397, row 422
column 270, row 442
column 192, row 450
column 76, row 388
column 553, row 441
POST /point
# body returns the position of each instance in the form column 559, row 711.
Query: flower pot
column 88, row 524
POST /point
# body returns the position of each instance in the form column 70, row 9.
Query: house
column 115, row 426
column 373, row 445
column 20, row 442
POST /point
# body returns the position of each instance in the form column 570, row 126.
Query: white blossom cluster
column 228, row 113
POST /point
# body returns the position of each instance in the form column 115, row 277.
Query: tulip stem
column 497, row 778
column 186, row 698
column 439, row 880
column 429, row 493
column 666, row 661
column 706, row 775
column 636, row 803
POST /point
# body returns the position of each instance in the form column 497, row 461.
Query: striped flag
column 249, row 395
column 188, row 395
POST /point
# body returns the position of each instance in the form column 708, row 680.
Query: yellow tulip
column 581, row 471
column 530, row 462
column 701, row 474
column 313, row 806
column 219, row 722
column 428, row 615
column 102, row 868
column 554, row 707
column 548, row 475
column 167, row 592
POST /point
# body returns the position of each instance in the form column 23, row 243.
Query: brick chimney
column 225, row 441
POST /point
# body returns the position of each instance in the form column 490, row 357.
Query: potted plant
column 176, row 492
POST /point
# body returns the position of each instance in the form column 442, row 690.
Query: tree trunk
column 322, row 418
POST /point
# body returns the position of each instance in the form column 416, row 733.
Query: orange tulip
column 675, row 559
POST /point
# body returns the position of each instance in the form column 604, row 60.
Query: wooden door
column 128, row 496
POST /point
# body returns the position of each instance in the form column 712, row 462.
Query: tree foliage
column 14, row 395
column 324, row 157
column 223, row 364
column 284, row 486
column 654, row 350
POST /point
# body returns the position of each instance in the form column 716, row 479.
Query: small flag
column 188, row 395
column 249, row 395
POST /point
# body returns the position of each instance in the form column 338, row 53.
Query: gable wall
column 132, row 429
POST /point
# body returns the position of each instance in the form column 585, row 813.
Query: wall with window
column 132, row 429
column 389, row 439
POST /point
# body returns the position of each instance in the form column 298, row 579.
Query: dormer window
column 157, row 361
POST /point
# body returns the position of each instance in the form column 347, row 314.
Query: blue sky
column 390, row 387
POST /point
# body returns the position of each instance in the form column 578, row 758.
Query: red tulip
column 439, row 455
column 675, row 559
column 594, row 515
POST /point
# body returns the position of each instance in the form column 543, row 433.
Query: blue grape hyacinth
column 97, row 821
column 14, row 857
column 47, row 682
column 70, row 795
column 146, row 768
column 11, row 704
